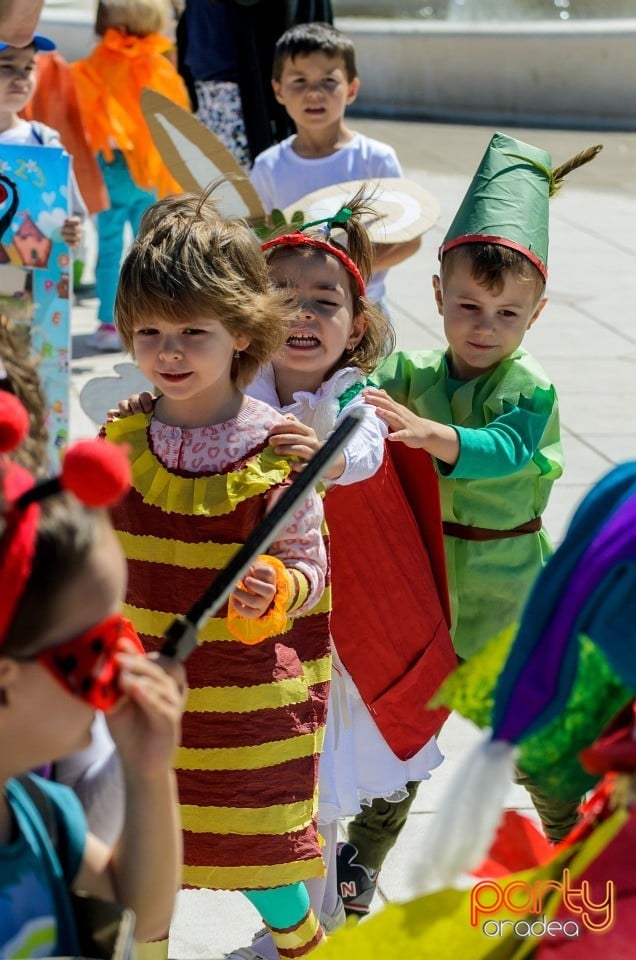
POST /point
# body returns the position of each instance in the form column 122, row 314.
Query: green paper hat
column 507, row 201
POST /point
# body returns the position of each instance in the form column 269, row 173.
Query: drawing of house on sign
column 33, row 246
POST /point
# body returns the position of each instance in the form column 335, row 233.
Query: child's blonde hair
column 378, row 339
column 188, row 262
column 137, row 17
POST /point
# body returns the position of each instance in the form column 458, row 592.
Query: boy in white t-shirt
column 17, row 85
column 315, row 78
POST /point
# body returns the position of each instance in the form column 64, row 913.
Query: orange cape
column 109, row 84
column 55, row 104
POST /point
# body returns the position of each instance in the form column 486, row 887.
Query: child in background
column 54, row 102
column 226, row 49
column 195, row 307
column 109, row 82
column 488, row 414
column 315, row 78
column 17, row 84
column 95, row 773
column 62, row 580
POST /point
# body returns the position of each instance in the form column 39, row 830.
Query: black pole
column 181, row 635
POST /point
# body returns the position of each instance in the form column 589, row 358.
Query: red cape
column 390, row 611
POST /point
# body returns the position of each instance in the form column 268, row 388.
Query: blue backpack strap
column 43, row 821
column 44, row 807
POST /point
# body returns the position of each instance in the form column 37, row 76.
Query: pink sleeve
column 300, row 546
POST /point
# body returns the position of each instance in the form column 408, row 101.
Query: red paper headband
column 501, row 241
column 299, row 239
column 95, row 471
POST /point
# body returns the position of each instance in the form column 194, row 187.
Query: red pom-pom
column 14, row 422
column 96, row 471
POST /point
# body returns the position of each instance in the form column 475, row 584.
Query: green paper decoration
column 508, row 198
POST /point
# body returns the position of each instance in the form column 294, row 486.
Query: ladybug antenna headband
column 326, row 224
column 96, row 472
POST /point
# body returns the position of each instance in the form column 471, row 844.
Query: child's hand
column 146, row 723
column 72, row 231
column 138, row 403
column 294, row 439
column 253, row 595
column 439, row 439
column 403, row 424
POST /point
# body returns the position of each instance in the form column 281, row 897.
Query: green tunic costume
column 510, row 455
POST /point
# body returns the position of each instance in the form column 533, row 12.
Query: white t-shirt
column 22, row 135
column 280, row 177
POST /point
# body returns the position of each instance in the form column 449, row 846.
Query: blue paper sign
column 36, row 269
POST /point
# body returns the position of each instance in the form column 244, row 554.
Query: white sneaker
column 106, row 339
column 244, row 953
column 330, row 922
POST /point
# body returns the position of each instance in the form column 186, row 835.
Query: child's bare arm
column 143, row 871
column 438, row 439
column 389, row 254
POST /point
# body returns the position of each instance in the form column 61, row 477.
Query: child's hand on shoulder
column 72, row 231
column 138, row 403
column 146, row 723
column 294, row 439
column 253, row 595
column 402, row 423
column 438, row 439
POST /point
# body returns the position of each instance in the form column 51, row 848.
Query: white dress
column 356, row 764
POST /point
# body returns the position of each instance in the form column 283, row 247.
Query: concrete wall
column 546, row 73
column 71, row 28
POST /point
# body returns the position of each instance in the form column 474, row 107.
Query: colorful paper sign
column 35, row 270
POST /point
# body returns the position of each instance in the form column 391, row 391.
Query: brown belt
column 484, row 533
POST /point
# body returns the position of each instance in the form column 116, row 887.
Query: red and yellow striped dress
column 253, row 727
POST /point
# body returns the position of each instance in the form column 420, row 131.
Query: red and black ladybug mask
column 87, row 667
column 97, row 473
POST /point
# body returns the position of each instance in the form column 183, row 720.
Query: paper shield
column 196, row 157
column 404, row 210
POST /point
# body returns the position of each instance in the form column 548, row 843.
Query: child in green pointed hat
column 487, row 413
column 483, row 407
column 507, row 202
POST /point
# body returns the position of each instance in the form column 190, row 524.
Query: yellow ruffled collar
column 210, row 496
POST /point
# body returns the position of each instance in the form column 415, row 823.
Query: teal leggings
column 281, row 907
